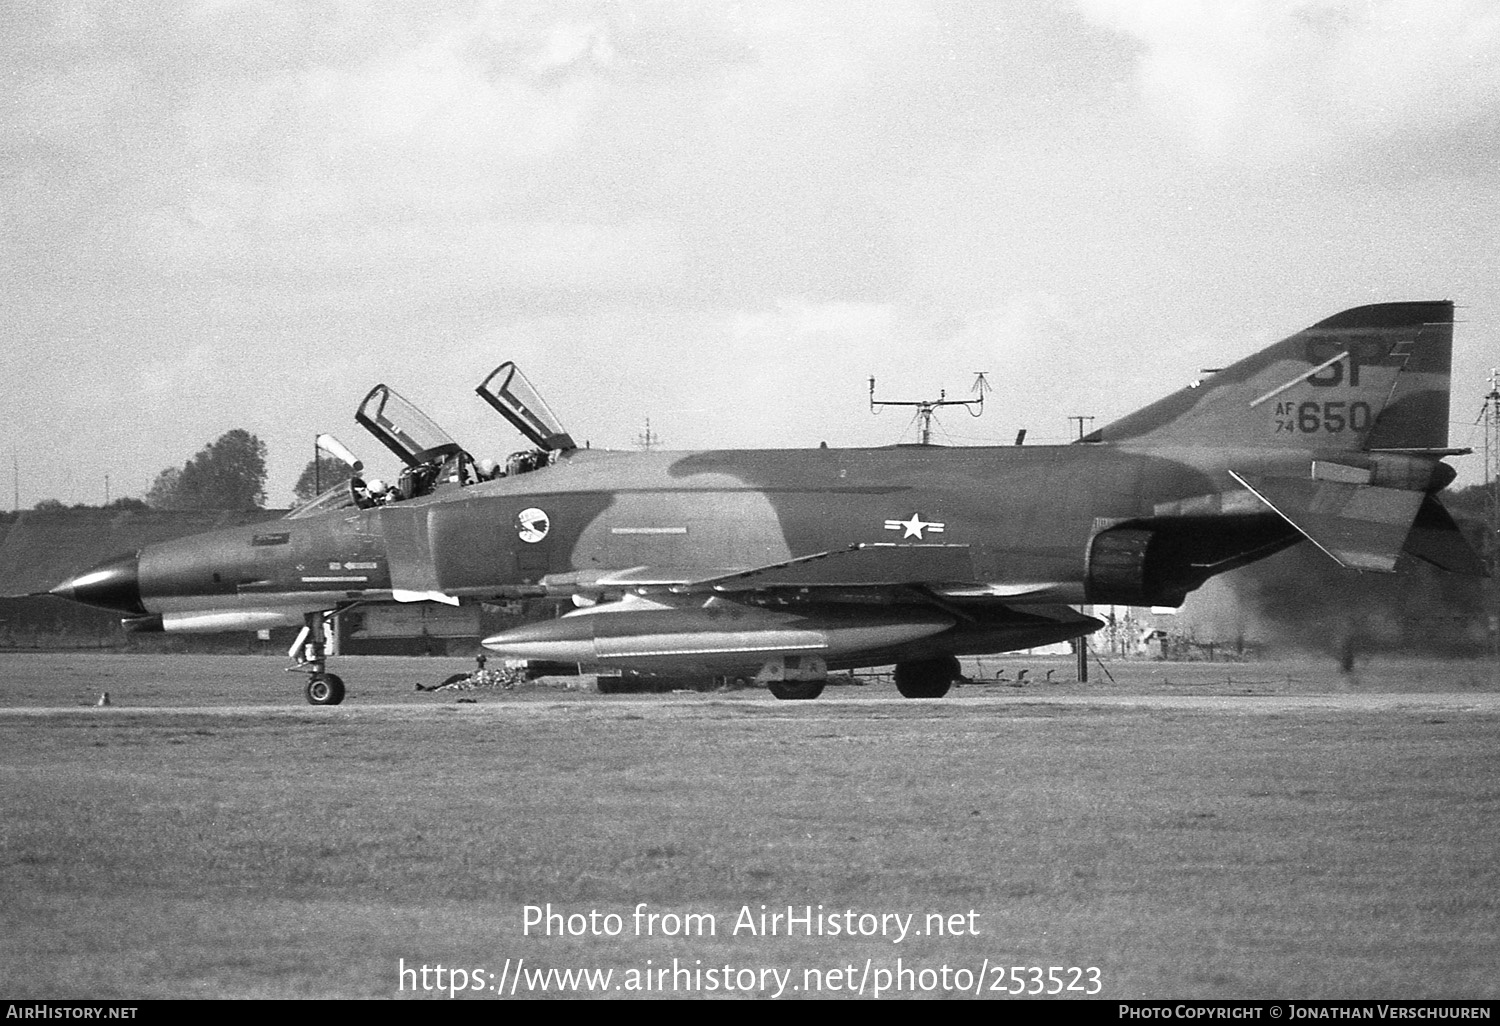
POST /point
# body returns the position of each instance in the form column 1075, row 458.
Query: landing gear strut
column 927, row 678
column 323, row 688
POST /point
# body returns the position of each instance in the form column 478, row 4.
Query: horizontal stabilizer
column 1362, row 527
column 865, row 565
column 1436, row 539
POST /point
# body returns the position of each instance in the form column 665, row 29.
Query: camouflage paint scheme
column 786, row 563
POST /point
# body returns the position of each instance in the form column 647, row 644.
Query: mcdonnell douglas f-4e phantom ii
column 785, row 564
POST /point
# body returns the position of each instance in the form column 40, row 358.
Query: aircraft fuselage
column 1015, row 518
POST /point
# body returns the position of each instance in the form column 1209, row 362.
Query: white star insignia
column 914, row 527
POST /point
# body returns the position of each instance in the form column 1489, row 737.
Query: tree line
column 227, row 474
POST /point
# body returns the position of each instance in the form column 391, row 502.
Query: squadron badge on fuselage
column 532, row 525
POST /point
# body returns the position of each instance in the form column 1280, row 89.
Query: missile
column 639, row 628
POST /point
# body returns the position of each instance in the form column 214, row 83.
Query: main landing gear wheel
column 325, row 689
column 927, row 678
column 795, row 690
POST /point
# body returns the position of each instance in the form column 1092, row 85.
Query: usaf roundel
column 532, row 524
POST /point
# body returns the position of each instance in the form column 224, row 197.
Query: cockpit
column 432, row 460
column 512, row 395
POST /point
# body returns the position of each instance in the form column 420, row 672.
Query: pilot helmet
column 376, row 486
column 487, row 467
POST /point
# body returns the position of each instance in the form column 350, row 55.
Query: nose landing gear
column 323, row 688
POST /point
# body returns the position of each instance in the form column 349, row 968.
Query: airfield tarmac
column 1266, row 830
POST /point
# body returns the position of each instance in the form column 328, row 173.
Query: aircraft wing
column 870, row 564
column 862, row 565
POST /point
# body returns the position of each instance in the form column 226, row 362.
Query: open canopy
column 507, row 390
column 402, row 428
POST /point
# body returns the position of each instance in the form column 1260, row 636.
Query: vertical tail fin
column 1374, row 377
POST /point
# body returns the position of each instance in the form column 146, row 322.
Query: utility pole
column 647, row 440
column 1490, row 414
column 1083, row 640
column 927, row 407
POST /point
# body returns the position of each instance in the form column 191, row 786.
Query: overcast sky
column 722, row 216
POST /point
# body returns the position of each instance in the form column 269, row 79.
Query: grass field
column 1210, row 830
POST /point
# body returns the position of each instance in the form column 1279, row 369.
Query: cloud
column 765, row 202
column 235, row 134
column 1276, row 81
column 255, row 142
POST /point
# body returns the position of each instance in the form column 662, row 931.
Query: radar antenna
column 927, row 407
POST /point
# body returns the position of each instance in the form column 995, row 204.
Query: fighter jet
column 781, row 565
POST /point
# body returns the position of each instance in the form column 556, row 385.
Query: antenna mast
column 927, row 407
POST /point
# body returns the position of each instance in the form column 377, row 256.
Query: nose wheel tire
column 795, row 690
column 325, row 689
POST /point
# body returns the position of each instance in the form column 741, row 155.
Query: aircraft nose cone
column 112, row 584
